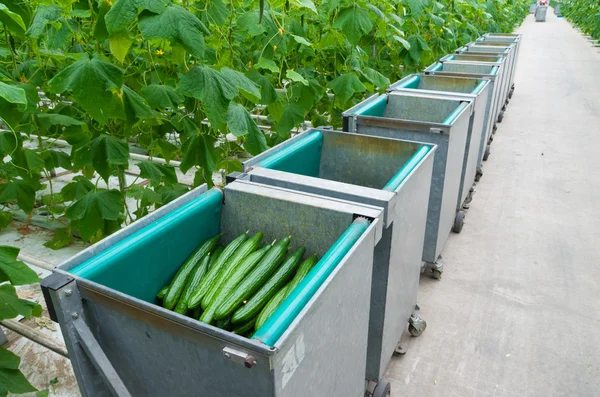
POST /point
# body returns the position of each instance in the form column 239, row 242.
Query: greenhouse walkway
column 517, row 312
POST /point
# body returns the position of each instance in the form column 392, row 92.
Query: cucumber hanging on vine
column 261, row 11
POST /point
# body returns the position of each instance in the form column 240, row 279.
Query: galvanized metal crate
column 121, row 343
column 388, row 173
column 506, row 38
column 425, row 118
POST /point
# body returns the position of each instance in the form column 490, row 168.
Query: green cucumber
column 214, row 257
column 161, row 294
column 228, row 269
column 245, row 328
column 178, row 282
column 197, row 313
column 283, row 293
column 224, row 324
column 192, row 283
column 254, row 280
column 208, row 316
column 238, row 275
column 283, row 274
column 212, row 274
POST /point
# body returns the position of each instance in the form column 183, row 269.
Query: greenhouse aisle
column 517, row 312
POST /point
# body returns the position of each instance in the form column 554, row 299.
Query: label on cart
column 292, row 360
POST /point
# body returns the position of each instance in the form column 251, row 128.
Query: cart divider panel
column 286, row 313
column 146, row 261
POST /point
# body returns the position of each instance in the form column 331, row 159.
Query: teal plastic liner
column 479, row 87
column 374, row 108
column 301, row 157
column 144, row 262
column 412, row 82
column 406, row 169
column 452, row 117
column 286, row 313
column 437, row 67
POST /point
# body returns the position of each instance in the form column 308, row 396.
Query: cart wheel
column 417, row 331
column 383, row 389
column 459, row 221
column 486, row 154
column 436, row 274
column 491, row 139
column 399, row 350
column 501, row 116
column 494, row 129
column 511, row 92
column 478, row 175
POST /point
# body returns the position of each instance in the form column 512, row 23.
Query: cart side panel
column 331, row 329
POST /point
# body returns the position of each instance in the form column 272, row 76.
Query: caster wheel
column 501, row 116
column 417, row 331
column 383, row 389
column 491, row 139
column 494, row 129
column 511, row 92
column 399, row 350
column 436, row 274
column 486, row 154
column 478, row 176
column 459, row 221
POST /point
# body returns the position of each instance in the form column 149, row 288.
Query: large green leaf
column 55, row 159
column 20, row 191
column 75, row 190
column 119, row 45
column 268, row 94
column 29, row 160
column 293, row 114
column 177, row 25
column 5, row 13
column 345, row 86
column 62, row 238
column 218, row 11
column 161, row 96
column 94, row 209
column 416, row 7
column 44, row 15
column 102, row 153
column 157, row 173
column 418, row 45
column 5, row 219
column 11, row 305
column 135, row 106
column 57, row 119
column 248, row 22
column 12, row 94
column 376, row 78
column 23, row 10
column 199, row 150
column 212, row 88
column 124, row 12
column 13, row 270
column 354, row 22
column 95, row 85
column 240, row 123
column 11, row 379
column 247, row 87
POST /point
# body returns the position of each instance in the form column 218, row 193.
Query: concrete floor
column 517, row 312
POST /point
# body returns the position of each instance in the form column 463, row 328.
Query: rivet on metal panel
column 250, row 362
column 75, row 316
column 69, row 292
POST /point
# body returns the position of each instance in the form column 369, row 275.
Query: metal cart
column 487, row 70
column 540, row 13
column 478, row 90
column 388, row 173
column 442, row 121
column 122, row 344
column 506, row 38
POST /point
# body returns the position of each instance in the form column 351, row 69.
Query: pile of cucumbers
column 239, row 286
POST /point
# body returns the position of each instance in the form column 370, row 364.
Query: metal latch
column 239, row 357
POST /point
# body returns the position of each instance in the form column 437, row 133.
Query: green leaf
column 29, row 160
column 345, row 86
column 157, row 173
column 167, row 149
column 268, row 94
column 54, row 159
column 43, row 393
column 248, row 22
column 62, row 238
column 57, row 119
column 267, row 64
column 5, row 219
column 230, row 165
column 12, row 15
column 198, row 150
column 77, row 189
column 293, row 114
column 417, row 46
column 354, row 22
column 124, row 12
column 416, row 7
column 102, row 153
column 8, row 143
column 11, row 305
column 376, row 78
column 135, row 106
column 12, row 94
column 212, row 88
column 19, row 191
column 247, row 87
column 306, row 4
column 119, row 45
column 295, row 76
column 218, row 12
column 301, row 40
column 240, row 123
column 177, row 25
column 15, row 271
column 170, row 193
column 401, row 40
column 162, row 96
column 11, row 379
column 44, row 15
column 145, row 194
column 93, row 209
column 100, row 31
column 95, row 85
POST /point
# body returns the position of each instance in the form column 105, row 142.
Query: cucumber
column 197, row 313
column 224, row 324
column 192, row 283
column 283, row 293
column 208, row 316
column 254, row 280
column 214, row 257
column 161, row 294
column 212, row 274
column 178, row 282
column 238, row 257
column 285, row 272
column 245, row 328
column 238, row 275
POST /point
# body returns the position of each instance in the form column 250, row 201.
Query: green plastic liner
column 406, row 169
column 453, row 116
column 301, row 157
column 286, row 313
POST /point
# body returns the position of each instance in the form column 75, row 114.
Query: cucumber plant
column 585, row 14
